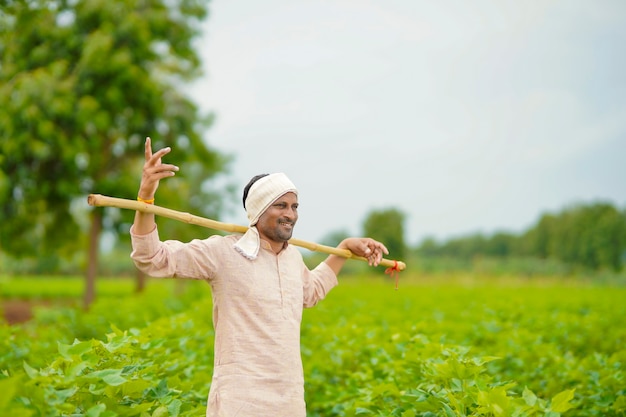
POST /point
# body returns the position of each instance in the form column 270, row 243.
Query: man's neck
column 276, row 247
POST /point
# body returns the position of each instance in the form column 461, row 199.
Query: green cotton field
column 447, row 346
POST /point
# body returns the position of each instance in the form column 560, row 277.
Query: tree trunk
column 92, row 265
column 140, row 281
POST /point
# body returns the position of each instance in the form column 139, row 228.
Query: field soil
column 16, row 311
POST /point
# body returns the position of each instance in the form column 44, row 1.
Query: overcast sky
column 468, row 116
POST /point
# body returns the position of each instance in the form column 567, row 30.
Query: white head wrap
column 262, row 194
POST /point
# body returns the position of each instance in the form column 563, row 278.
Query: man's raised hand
column 154, row 171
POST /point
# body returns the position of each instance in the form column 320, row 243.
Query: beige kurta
column 257, row 310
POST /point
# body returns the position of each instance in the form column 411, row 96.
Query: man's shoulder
column 223, row 239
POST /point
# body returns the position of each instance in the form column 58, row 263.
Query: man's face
column 277, row 222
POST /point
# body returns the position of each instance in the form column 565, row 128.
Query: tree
column 428, row 247
column 81, row 83
column 500, row 244
column 387, row 226
column 539, row 240
column 592, row 236
column 334, row 238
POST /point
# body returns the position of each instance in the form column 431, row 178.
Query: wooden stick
column 98, row 200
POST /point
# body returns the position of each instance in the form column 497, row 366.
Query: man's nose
column 291, row 213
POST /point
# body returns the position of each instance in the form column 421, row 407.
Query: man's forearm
column 144, row 223
column 335, row 263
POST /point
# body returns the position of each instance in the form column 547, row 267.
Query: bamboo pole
column 98, row 200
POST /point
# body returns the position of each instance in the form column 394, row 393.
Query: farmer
column 259, row 284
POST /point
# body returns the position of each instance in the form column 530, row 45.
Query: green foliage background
column 81, row 85
column 441, row 345
column 585, row 236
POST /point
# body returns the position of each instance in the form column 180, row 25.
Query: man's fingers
column 163, row 174
column 380, row 247
column 169, row 169
column 148, row 149
column 375, row 251
column 155, row 159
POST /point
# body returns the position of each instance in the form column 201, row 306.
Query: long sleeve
column 317, row 283
column 172, row 258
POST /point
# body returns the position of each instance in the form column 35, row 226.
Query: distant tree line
column 591, row 235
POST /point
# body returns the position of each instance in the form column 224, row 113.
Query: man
column 259, row 284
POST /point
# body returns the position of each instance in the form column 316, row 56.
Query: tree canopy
column 387, row 226
column 81, row 85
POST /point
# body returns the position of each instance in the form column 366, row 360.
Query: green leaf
column 80, row 348
column 31, row 372
column 496, row 401
column 117, row 342
column 485, row 359
column 96, row 389
column 448, row 410
column 174, row 408
column 111, row 377
column 134, row 387
column 160, row 412
column 529, row 397
column 60, row 396
column 8, row 387
column 77, row 369
column 561, row 402
column 140, row 409
column 160, row 390
column 619, row 404
column 96, row 410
